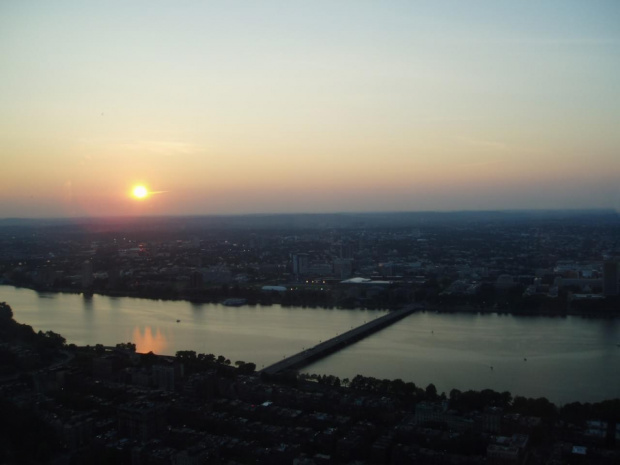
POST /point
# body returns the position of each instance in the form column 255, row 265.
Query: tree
column 455, row 394
column 186, row 355
column 540, row 407
column 208, row 358
column 397, row 387
column 6, row 313
column 129, row 346
column 431, row 392
column 51, row 340
column 246, row 368
column 506, row 399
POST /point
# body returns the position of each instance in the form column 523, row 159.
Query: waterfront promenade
column 336, row 343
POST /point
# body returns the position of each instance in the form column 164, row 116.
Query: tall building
column 343, row 268
column 87, row 274
column 611, row 278
column 300, row 263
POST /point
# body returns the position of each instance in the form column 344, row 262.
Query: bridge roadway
column 335, row 344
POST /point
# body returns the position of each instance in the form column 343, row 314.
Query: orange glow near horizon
column 149, row 341
column 446, row 112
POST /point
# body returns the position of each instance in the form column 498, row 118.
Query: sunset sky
column 315, row 106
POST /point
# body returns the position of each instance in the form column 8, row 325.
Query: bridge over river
column 335, row 344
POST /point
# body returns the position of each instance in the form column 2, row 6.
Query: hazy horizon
column 532, row 212
column 322, row 107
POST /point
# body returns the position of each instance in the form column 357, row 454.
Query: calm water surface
column 568, row 359
column 563, row 359
column 259, row 334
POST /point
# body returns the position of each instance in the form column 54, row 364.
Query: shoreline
column 425, row 306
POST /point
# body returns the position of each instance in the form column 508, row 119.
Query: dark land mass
column 64, row 404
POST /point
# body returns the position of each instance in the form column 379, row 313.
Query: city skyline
column 322, row 107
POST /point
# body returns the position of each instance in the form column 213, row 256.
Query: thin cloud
column 498, row 146
column 165, row 148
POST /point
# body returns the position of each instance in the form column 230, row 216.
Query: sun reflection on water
column 149, row 341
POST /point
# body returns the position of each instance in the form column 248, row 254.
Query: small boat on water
column 234, row 302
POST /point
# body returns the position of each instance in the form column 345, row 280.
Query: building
column 319, row 269
column 507, row 450
column 75, row 432
column 273, row 288
column 46, row 276
column 611, row 278
column 492, row 419
column 164, row 376
column 216, row 275
column 300, row 264
column 498, row 454
column 141, row 420
column 346, row 250
column 343, row 268
column 194, row 455
column 195, row 280
column 505, row 282
column 87, row 275
column 428, row 412
column 114, row 278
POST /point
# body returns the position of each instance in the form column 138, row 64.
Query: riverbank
column 254, row 297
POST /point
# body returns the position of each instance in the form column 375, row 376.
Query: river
column 563, row 359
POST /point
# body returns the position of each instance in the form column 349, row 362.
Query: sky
column 307, row 106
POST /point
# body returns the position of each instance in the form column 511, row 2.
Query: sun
column 140, row 192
